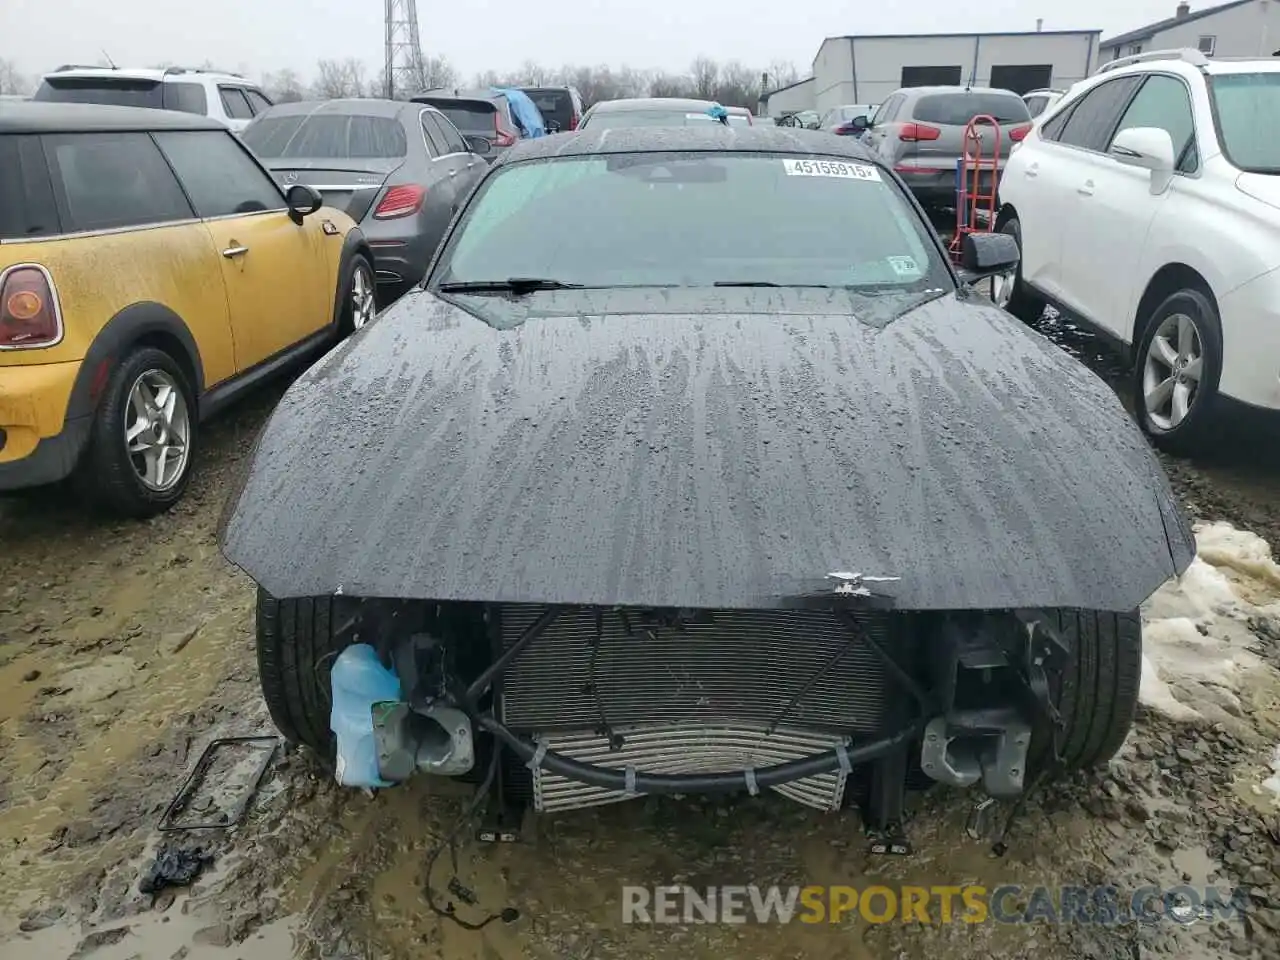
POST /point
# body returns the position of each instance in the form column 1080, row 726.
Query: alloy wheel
column 1171, row 371
column 158, row 430
column 363, row 299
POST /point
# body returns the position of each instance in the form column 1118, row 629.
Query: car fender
column 142, row 322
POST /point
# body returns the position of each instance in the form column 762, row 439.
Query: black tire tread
column 296, row 648
column 1097, row 692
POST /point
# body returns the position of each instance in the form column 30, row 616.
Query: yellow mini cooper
column 150, row 271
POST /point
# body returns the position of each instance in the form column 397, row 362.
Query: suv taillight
column 1018, row 134
column 28, row 311
column 912, row 132
column 500, row 137
column 400, row 202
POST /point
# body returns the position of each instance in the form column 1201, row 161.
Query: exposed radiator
column 597, row 669
column 689, row 750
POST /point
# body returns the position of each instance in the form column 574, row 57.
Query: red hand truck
column 977, row 179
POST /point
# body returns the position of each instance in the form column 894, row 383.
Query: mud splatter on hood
column 715, row 459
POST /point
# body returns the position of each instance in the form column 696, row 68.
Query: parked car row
column 156, row 259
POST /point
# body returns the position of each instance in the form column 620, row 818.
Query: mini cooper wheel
column 1008, row 291
column 359, row 297
column 139, row 456
column 1176, row 372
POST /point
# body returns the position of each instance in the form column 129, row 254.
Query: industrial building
column 866, row 69
column 1242, row 28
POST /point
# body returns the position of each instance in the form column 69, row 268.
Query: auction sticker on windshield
column 830, row 168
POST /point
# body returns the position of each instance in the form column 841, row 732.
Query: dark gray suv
column 919, row 131
column 478, row 113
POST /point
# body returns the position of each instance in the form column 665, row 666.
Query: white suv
column 227, row 97
column 1146, row 203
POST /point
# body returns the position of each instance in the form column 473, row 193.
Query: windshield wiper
column 516, row 285
column 771, row 283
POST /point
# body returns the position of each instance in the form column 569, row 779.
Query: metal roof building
column 866, row 69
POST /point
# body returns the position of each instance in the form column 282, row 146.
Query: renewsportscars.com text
column 1009, row 903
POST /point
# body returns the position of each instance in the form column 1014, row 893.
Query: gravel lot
column 124, row 648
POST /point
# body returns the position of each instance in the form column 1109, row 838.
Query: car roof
column 348, row 107
column 142, row 73
column 711, row 137
column 652, row 103
column 31, row 116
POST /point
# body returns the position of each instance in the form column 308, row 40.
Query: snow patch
column 1196, row 638
column 1272, row 782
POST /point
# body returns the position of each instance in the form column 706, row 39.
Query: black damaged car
column 694, row 466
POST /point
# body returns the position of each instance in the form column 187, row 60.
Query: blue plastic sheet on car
column 525, row 112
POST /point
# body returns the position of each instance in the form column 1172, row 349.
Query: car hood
column 716, row 460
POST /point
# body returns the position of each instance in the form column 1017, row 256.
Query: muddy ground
column 125, row 648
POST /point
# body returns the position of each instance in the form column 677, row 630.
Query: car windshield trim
column 616, row 208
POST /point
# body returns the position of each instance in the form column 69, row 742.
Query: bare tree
column 283, row 86
column 337, row 79
column 732, row 83
column 781, row 73
column 666, row 85
column 533, row 74
column 705, row 76
column 11, row 81
column 436, row 72
column 738, row 85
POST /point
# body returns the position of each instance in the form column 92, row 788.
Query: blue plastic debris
column 719, row 113
column 359, row 680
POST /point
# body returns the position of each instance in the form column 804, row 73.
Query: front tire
column 296, row 649
column 1176, row 372
column 142, row 442
column 1011, row 292
column 1096, row 692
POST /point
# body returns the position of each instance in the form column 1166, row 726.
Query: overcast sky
column 254, row 36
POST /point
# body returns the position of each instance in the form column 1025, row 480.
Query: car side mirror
column 479, row 145
column 553, row 126
column 987, row 255
column 303, row 200
column 1150, row 148
column 860, row 123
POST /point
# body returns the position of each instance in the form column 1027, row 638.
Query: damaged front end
column 832, row 707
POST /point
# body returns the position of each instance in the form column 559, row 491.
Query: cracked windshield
column 685, row 486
